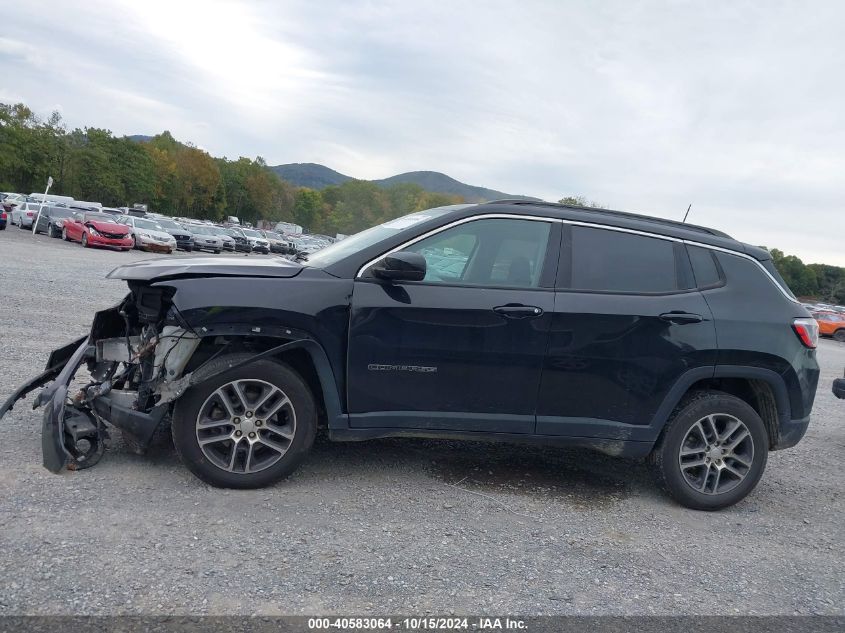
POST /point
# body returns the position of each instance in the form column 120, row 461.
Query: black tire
column 85, row 240
column 666, row 455
column 217, row 252
column 134, row 242
column 51, row 231
column 839, row 335
column 188, row 407
column 64, row 235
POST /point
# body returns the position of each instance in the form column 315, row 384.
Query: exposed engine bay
column 134, row 357
column 127, row 373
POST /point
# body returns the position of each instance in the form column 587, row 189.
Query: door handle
column 676, row 316
column 518, row 311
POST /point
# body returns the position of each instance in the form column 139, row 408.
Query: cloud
column 646, row 106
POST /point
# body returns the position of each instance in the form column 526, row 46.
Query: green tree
column 307, row 207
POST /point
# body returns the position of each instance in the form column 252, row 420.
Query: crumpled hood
column 108, row 227
column 206, row 267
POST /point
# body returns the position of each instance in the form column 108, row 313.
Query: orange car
column 831, row 324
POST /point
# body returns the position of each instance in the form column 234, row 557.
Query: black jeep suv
column 512, row 320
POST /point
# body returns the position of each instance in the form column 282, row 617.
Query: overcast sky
column 737, row 108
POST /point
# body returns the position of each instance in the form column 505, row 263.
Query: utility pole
column 43, row 202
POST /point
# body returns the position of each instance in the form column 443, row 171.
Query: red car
column 96, row 229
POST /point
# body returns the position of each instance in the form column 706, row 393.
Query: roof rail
column 611, row 212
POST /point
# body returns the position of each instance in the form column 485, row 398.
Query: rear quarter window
column 704, row 267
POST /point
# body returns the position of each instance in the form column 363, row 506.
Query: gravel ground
column 399, row 526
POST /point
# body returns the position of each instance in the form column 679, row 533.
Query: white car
column 257, row 241
column 148, row 235
column 24, row 214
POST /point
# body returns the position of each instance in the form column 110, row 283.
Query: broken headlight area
column 125, row 374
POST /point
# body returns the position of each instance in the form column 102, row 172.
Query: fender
column 687, row 380
column 772, row 378
column 302, row 340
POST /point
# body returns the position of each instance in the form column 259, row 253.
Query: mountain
column 309, row 175
column 441, row 183
column 316, row 176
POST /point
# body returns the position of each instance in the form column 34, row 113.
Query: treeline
column 812, row 281
column 180, row 179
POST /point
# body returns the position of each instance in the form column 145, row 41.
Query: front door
column 464, row 348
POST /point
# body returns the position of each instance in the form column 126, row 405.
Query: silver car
column 148, row 235
column 205, row 239
column 24, row 214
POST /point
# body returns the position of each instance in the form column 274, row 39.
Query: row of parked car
column 831, row 319
column 124, row 228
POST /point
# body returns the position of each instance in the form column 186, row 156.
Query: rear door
column 628, row 324
column 464, row 348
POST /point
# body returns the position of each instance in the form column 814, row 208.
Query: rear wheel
column 245, row 428
column 712, row 452
column 839, row 335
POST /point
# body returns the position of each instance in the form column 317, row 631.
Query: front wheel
column 84, row 240
column 713, row 451
column 64, row 235
column 247, row 427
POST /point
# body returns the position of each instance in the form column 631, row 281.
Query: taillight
column 808, row 331
column 29, row 214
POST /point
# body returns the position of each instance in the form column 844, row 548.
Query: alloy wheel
column 246, row 426
column 716, row 454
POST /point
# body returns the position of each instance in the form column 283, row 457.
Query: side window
column 613, row 261
column 704, row 267
column 490, row 252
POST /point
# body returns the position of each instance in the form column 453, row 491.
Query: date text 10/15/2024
column 423, row 623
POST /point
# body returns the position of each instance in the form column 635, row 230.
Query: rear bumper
column 790, row 433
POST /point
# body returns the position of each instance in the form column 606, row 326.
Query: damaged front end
column 134, row 359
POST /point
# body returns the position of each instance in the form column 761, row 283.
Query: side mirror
column 401, row 266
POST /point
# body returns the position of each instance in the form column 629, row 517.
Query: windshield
column 169, row 224
column 251, row 233
column 340, row 250
column 147, row 224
